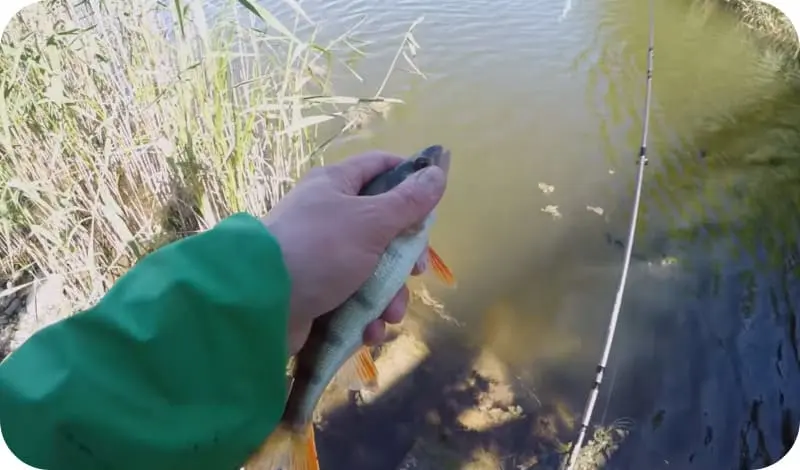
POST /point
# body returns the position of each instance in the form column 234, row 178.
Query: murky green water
column 705, row 364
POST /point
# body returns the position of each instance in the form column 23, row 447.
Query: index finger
column 421, row 265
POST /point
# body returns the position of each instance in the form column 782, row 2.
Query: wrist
column 297, row 323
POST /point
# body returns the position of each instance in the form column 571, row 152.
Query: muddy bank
column 28, row 307
column 11, row 306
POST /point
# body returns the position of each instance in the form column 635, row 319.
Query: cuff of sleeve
column 181, row 365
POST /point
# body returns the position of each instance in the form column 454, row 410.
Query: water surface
column 705, row 370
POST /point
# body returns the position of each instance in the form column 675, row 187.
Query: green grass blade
column 268, row 19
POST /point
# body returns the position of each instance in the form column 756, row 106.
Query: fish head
column 389, row 179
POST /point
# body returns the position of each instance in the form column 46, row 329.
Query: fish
column 335, row 349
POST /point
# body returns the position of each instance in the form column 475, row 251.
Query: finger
column 298, row 334
column 421, row 265
column 410, row 201
column 375, row 333
column 396, row 310
column 353, row 173
column 443, row 160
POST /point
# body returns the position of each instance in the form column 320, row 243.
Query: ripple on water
column 522, row 98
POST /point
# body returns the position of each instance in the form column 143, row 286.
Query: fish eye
column 421, row 163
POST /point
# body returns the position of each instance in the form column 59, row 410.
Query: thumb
column 412, row 200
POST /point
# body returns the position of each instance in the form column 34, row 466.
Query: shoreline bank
column 766, row 20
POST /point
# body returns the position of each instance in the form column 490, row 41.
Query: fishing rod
column 612, row 326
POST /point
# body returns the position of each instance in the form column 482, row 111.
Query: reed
column 126, row 125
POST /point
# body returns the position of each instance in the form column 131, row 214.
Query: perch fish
column 335, row 349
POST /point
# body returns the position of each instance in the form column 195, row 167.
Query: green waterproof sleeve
column 180, row 366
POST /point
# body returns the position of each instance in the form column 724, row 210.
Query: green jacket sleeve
column 180, row 366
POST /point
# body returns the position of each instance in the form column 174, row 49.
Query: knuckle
column 317, row 172
column 337, row 175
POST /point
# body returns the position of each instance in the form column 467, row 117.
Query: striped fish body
column 335, row 344
column 336, row 337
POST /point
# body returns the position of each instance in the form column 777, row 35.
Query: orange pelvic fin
column 440, row 269
column 286, row 449
column 359, row 372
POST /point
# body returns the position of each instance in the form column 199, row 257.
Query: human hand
column 332, row 239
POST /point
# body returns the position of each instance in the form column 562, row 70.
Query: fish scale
column 335, row 343
column 344, row 328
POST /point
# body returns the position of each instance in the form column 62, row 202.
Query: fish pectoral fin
column 359, row 372
column 440, row 269
column 286, row 449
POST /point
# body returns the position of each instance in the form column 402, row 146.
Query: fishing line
column 612, row 326
column 610, row 394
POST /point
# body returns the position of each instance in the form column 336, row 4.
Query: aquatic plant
column 125, row 125
column 766, row 19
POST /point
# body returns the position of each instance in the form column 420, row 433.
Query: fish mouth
column 435, row 155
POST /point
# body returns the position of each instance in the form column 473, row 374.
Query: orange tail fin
column 286, row 449
column 359, row 372
column 440, row 269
